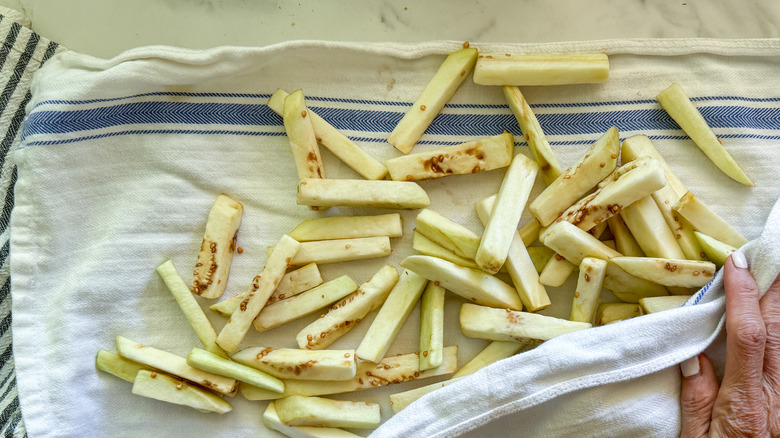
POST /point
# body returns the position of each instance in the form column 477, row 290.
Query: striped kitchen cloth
column 120, row 159
column 22, row 53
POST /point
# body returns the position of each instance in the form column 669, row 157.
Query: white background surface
column 106, row 27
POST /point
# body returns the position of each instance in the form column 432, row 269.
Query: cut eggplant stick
column 272, row 421
column 173, row 364
column 262, row 288
column 219, row 365
column 471, row 284
column 682, row 230
column 342, row 250
column 303, row 140
column 391, row 370
column 362, row 193
column 426, row 246
column 522, row 69
column 630, row 288
column 622, row 170
column 452, row 72
column 636, row 182
column 297, row 281
column 118, row 366
column 347, row 313
column 212, row 268
column 392, row 315
column 348, row 227
column 598, row 230
column 715, row 250
column 509, row 325
column 596, row 164
column 295, row 364
column 401, row 400
column 519, row 264
column 575, row 244
column 676, row 102
column 158, row 386
column 586, row 296
column 293, row 283
column 505, row 215
column 447, row 233
column 659, row 304
column 668, row 272
column 431, row 326
column 299, row 410
column 639, row 147
column 615, row 312
column 650, row 230
column 556, row 271
column 541, row 151
column 190, row 307
column 707, row 221
column 624, row 240
column 540, row 255
column 471, row 157
column 626, row 168
column 342, row 147
column 304, row 304
column 495, row 351
column 530, row 232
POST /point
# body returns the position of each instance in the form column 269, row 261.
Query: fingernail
column 738, row 257
column 690, row 367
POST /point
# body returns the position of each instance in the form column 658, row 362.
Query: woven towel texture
column 120, row 160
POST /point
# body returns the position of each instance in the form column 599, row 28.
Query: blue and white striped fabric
column 21, row 54
column 120, row 159
column 371, row 118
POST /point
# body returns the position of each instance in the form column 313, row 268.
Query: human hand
column 747, row 401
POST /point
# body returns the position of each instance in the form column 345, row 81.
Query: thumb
column 697, row 396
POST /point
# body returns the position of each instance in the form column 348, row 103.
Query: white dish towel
column 120, row 160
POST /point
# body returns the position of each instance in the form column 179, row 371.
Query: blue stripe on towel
column 58, row 122
column 364, row 120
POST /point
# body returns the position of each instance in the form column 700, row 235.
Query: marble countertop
column 106, row 27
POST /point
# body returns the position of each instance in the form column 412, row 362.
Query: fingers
column 745, row 330
column 697, row 397
column 748, row 400
column 770, row 311
column 741, row 403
